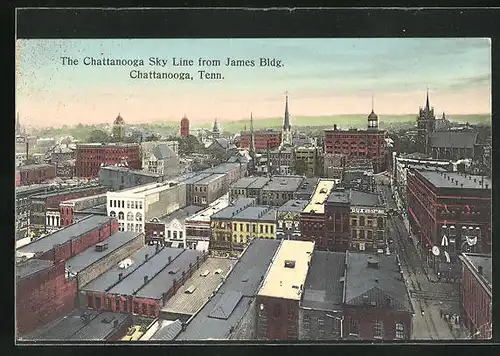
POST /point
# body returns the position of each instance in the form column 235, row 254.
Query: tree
column 300, row 167
column 98, row 136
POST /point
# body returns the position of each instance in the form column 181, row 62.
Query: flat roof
column 485, row 261
column 183, row 177
column 197, row 178
column 259, row 183
column 147, row 189
column 101, row 326
column 163, row 281
column 211, row 178
column 240, row 287
column 181, row 214
column 109, row 279
column 34, row 188
column 222, row 168
column 270, row 215
column 323, row 189
column 440, row 180
column 284, row 183
column 232, row 209
column 134, row 282
column 205, row 214
column 190, row 303
column 294, row 206
column 65, row 191
column 167, row 329
column 90, row 255
column 85, row 198
column 288, row 282
column 130, row 170
column 243, row 182
column 323, row 288
column 31, row 266
column 359, row 198
column 339, row 197
column 46, row 243
column 107, row 144
column 29, row 167
column 251, row 213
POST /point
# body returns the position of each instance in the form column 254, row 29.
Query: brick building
column 68, row 208
column 264, row 139
column 312, row 218
column 184, row 127
column 311, row 157
column 36, row 173
column 209, row 189
column 23, row 202
column 279, row 189
column 90, row 157
column 338, row 222
column 288, row 219
column 450, row 211
column 277, row 302
column 282, row 161
column 358, row 174
column 43, row 294
column 476, row 294
column 353, row 143
column 247, row 187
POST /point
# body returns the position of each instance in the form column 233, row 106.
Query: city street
column 430, row 299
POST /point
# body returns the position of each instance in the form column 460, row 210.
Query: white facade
column 153, row 165
column 52, row 221
column 175, row 232
column 128, row 209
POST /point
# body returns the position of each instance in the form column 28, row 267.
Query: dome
column 373, row 115
column 119, row 120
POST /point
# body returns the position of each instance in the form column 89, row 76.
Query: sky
column 321, row 76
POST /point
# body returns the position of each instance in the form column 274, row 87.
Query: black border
column 249, row 23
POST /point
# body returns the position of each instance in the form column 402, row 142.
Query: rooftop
column 32, row 266
column 205, row 214
column 244, row 182
column 90, row 255
column 181, row 214
column 323, row 288
column 258, row 183
column 65, row 191
column 485, row 261
column 167, row 330
column 453, row 139
column 288, row 271
column 284, row 183
column 106, row 145
column 307, row 186
column 237, row 206
column 33, row 188
column 146, row 189
column 189, row 303
column 211, row 178
column 222, row 168
column 323, row 189
column 30, row 167
column 444, row 180
column 130, row 170
column 46, row 243
column 85, row 198
column 197, row 178
column 138, row 268
column 294, row 205
column 253, row 213
column 376, row 286
column 224, row 310
column 340, row 196
column 359, row 198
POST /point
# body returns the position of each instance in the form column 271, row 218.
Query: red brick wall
column 18, row 179
column 366, row 317
column 66, row 214
column 338, row 227
column 43, row 297
column 88, row 165
column 53, row 202
column 312, row 227
column 262, row 140
column 282, row 318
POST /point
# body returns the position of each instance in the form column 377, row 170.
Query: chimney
column 120, row 276
column 157, row 247
column 146, row 279
column 456, row 182
column 480, row 270
column 147, row 257
column 169, row 259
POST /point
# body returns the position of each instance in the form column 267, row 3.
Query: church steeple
column 216, row 126
column 252, row 138
column 427, row 101
column 286, row 121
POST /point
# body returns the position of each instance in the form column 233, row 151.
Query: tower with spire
column 215, row 129
column 251, row 149
column 118, row 129
column 286, row 134
column 426, row 124
column 18, row 126
column 373, row 119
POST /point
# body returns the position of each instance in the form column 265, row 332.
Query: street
column 431, row 300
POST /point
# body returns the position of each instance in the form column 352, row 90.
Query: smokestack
column 146, row 279
column 169, row 259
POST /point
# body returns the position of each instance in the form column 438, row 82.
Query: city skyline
column 322, row 76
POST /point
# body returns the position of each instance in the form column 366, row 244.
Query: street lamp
column 341, row 319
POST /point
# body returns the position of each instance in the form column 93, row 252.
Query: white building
column 132, row 207
column 161, row 160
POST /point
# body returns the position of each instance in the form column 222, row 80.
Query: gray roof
column 251, row 213
column 168, row 330
column 101, row 327
column 453, row 139
column 34, row 188
column 245, row 279
column 196, row 178
column 323, row 288
column 339, row 197
column 162, row 151
column 415, row 155
column 294, row 205
column 30, row 167
column 244, row 182
column 31, row 266
column 236, row 206
column 284, row 183
column 181, row 214
column 211, row 178
column 440, row 180
column 110, row 278
column 223, row 142
column 131, row 171
column 259, row 183
column 101, row 208
column 134, row 282
column 484, row 261
column 270, row 215
column 65, row 191
column 377, row 284
column 183, row 177
column 90, row 255
column 308, row 186
column 163, row 281
column 359, row 198
column 222, row 168
column 59, row 237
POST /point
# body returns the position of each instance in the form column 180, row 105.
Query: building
column 118, row 130
column 71, row 240
column 197, row 289
column 368, row 221
column 198, row 225
column 321, row 306
column 36, row 173
column 282, row 161
column 338, row 220
column 184, row 127
column 66, row 169
column 358, row 174
column 454, row 145
column 232, row 171
column 147, row 147
column 277, row 302
column 425, row 125
column 312, row 218
column 248, row 187
column 353, row 143
column 222, row 147
column 230, row 312
column 376, row 301
column 133, row 207
column 264, row 140
column 288, row 219
column 119, row 178
column 221, row 232
column 476, row 295
column 162, row 160
column 90, row 157
column 449, row 212
column 310, row 157
column 286, row 134
column 333, row 165
column 43, row 293
column 45, row 206
column 209, row 189
column 85, row 325
column 170, row 229
column 149, row 277
column 306, row 189
column 280, row 189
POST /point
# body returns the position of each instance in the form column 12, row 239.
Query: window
column 354, row 222
column 277, row 311
column 152, row 310
column 130, row 216
column 123, row 203
column 168, row 233
column 136, row 308
column 117, row 304
column 380, row 223
column 90, row 301
column 361, row 221
column 321, row 321
column 121, row 215
column 272, row 229
column 108, row 304
column 98, row 303
column 261, row 229
column 307, row 321
column 248, row 227
column 370, row 234
column 128, row 204
column 400, row 331
column 354, row 233
column 378, row 329
column 140, row 205
column 175, row 235
column 181, row 234
column 241, row 227
column 138, row 217
column 110, row 203
column 144, row 309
